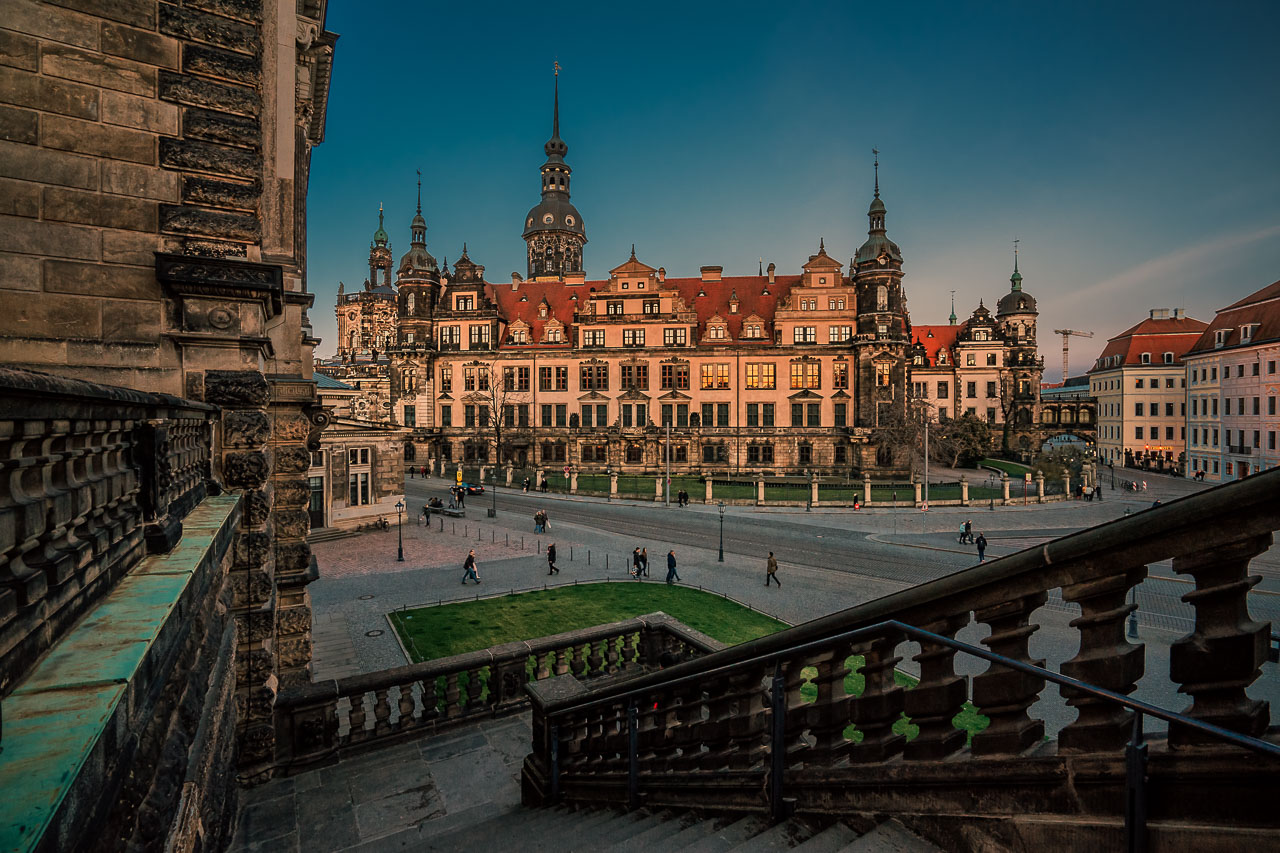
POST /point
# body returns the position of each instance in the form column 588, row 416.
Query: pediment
column 806, row 394
column 675, row 395
column 592, row 397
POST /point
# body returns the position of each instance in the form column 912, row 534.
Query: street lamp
column 399, row 533
column 608, row 474
column 493, row 487
column 721, row 506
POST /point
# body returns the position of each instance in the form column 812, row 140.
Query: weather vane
column 557, row 67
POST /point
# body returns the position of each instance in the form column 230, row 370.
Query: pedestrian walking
column 526, row 485
column 470, row 570
column 462, row 498
column 413, row 472
column 635, row 563
column 968, row 530
column 671, row 567
column 982, row 548
column 424, row 472
column 544, row 485
column 644, row 561
column 551, row 560
column 771, row 572
column 962, row 535
column 538, row 520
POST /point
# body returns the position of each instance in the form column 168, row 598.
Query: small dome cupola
column 380, row 237
column 553, row 228
column 878, row 250
column 1017, row 300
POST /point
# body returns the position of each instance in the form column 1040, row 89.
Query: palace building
column 762, row 373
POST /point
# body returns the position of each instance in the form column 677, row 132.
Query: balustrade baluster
column 683, row 736
column 1106, row 659
column 381, row 713
column 611, row 656
column 356, row 718
column 657, row 719
column 879, row 705
column 406, row 708
column 749, row 724
column 451, row 695
column 579, row 664
column 1218, row 660
column 829, row 713
column 799, row 711
column 543, row 667
column 595, row 659
column 629, row 650
column 1004, row 695
column 475, row 689
column 713, row 732
column 430, row 699
column 939, row 696
column 562, row 661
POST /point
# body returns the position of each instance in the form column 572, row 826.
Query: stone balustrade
column 316, row 720
column 703, row 726
column 92, row 478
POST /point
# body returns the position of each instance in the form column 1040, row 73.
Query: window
column 991, row 415
column 761, row 454
column 554, row 334
column 1168, row 433
column 1168, row 410
column 806, row 374
column 633, row 337
column 464, row 303
column 675, row 377
column 479, row 336
column 614, row 309
column 991, row 359
column 840, row 375
column 1139, row 409
column 544, row 379
column 546, row 415
column 944, row 390
column 839, row 414
column 883, row 375
column 970, row 359
column 839, row 334
column 797, row 414
column 753, row 414
column 635, row 376
column 814, row 414
column 509, row 415
column 553, row 451
column 651, row 306
column 593, row 338
column 1146, row 358
column 766, row 414
column 882, row 298
column 722, row 414
column 1247, row 332
column 522, row 379
column 714, row 377
column 483, row 412
column 674, row 337
column 841, row 455
column 805, row 334
column 991, row 389
column 1256, row 367
column 446, row 416
column 971, row 389
column 1137, row 432
column 562, row 414
column 1139, row 383
column 469, row 416
column 707, row 418
column 1220, row 338
column 587, row 411
column 834, row 304
column 450, row 336
column 717, row 333
column 410, row 416
column 1257, row 405
column 682, row 414
column 508, row 379
column 1271, row 405
column 446, row 380
column 753, row 330
column 594, row 377
column 761, row 376
column 805, row 454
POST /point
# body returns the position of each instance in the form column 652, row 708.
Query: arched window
column 409, row 303
column 882, row 298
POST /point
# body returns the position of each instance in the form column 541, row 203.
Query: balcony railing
column 92, row 478
column 708, row 731
column 317, row 720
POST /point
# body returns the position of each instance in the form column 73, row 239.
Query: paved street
column 829, row 559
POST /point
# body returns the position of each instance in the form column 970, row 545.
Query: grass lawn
column 1013, row 469
column 434, row 632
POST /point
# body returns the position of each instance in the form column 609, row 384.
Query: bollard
column 571, row 548
column 606, row 562
column 478, row 531
column 522, row 542
column 493, row 537
column 588, row 557
column 442, row 524
column 466, row 530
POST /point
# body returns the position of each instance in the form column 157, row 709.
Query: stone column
column 813, row 491
column 573, row 481
column 657, row 488
column 866, row 489
column 510, row 473
column 613, row 484
column 1004, row 488
column 918, row 488
column 964, row 490
column 1066, row 485
column 538, row 474
column 1039, row 487
column 760, row 491
column 708, row 498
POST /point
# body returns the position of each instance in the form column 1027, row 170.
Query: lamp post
column 721, row 507
column 608, row 475
column 808, row 497
column 399, row 533
column 493, row 487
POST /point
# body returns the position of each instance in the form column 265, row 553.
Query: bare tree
column 501, row 392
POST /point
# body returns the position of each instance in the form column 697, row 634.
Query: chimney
column 1179, row 313
column 711, row 273
column 662, row 274
column 1159, row 313
column 515, row 281
column 771, row 268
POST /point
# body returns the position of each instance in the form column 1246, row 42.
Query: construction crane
column 1066, row 338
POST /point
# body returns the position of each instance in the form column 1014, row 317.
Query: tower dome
column 553, row 228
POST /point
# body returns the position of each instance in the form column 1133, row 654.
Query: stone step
column 731, row 836
column 831, row 840
column 625, row 826
column 779, row 837
column 698, row 831
column 890, row 837
column 654, row 838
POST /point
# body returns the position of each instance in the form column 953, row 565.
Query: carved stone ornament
column 320, row 418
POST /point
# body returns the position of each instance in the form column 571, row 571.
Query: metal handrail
column 913, row 632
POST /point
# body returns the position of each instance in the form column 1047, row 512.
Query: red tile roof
column 1155, row 337
column 935, row 338
column 1262, row 307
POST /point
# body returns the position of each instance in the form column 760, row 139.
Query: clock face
column 883, row 259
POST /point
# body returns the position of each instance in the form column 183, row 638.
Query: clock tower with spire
column 553, row 229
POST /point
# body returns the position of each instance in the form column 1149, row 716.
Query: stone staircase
column 564, row 829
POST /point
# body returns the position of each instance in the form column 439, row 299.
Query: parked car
column 473, row 488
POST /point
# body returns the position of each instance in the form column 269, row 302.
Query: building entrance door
column 315, row 508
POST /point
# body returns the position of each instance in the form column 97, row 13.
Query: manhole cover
column 365, row 597
column 373, row 633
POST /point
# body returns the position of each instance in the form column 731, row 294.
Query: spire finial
column 1016, row 241
column 555, row 117
column 379, row 214
column 419, row 191
column 953, row 307
column 822, row 244
column 761, row 267
column 633, row 251
column 876, row 152
column 464, row 249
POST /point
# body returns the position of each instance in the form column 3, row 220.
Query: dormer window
column 614, row 308
column 1247, row 332
column 1146, row 358
column 542, row 310
column 464, row 303
column 1220, row 337
column 1168, row 358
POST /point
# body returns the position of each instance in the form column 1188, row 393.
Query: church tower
column 417, row 285
column 553, row 229
column 1016, row 316
column 882, row 334
column 379, row 257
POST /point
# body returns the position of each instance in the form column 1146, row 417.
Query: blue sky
column 1131, row 147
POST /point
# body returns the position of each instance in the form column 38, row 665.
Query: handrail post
column 633, row 759
column 778, row 747
column 555, row 762
column 1135, row 785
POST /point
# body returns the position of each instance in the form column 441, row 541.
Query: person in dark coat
column 470, row 570
column 981, row 542
column 671, row 567
column 635, row 563
column 644, row 561
column 551, row 560
column 771, row 571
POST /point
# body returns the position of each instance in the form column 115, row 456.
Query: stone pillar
column 918, row 488
column 964, row 490
column 760, row 491
column 510, row 473
column 1004, row 488
column 708, row 498
column 538, row 474
column 1066, row 485
column 866, row 489
column 613, row 484
column 1039, row 487
column 573, row 481
column 657, row 488
column 813, row 491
